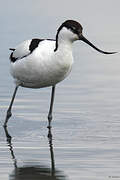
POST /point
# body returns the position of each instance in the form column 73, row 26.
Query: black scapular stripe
column 34, row 44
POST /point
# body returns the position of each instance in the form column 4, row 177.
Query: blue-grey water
column 85, row 142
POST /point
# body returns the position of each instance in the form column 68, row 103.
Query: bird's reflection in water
column 34, row 172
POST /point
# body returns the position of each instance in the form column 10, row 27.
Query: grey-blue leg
column 51, row 107
column 9, row 114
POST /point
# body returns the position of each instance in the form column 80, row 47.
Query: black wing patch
column 33, row 45
column 13, row 59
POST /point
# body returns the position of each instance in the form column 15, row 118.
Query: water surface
column 85, row 142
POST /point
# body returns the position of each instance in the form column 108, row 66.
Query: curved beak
column 82, row 38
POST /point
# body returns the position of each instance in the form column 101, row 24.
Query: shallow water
column 85, row 128
column 85, row 143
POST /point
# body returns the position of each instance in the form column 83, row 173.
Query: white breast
column 43, row 67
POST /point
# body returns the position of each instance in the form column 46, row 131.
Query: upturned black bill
column 82, row 38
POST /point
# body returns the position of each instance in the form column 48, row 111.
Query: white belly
column 40, row 69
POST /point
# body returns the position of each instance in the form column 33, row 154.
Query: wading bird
column 39, row 63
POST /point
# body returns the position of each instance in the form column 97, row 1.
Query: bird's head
column 71, row 31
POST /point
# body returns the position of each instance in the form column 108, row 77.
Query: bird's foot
column 49, row 127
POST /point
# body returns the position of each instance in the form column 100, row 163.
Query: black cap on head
column 74, row 26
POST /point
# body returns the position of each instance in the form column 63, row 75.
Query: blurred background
column 86, row 123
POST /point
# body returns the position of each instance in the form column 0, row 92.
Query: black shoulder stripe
column 50, row 39
column 34, row 44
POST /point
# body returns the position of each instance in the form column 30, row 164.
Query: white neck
column 64, row 44
column 65, row 39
